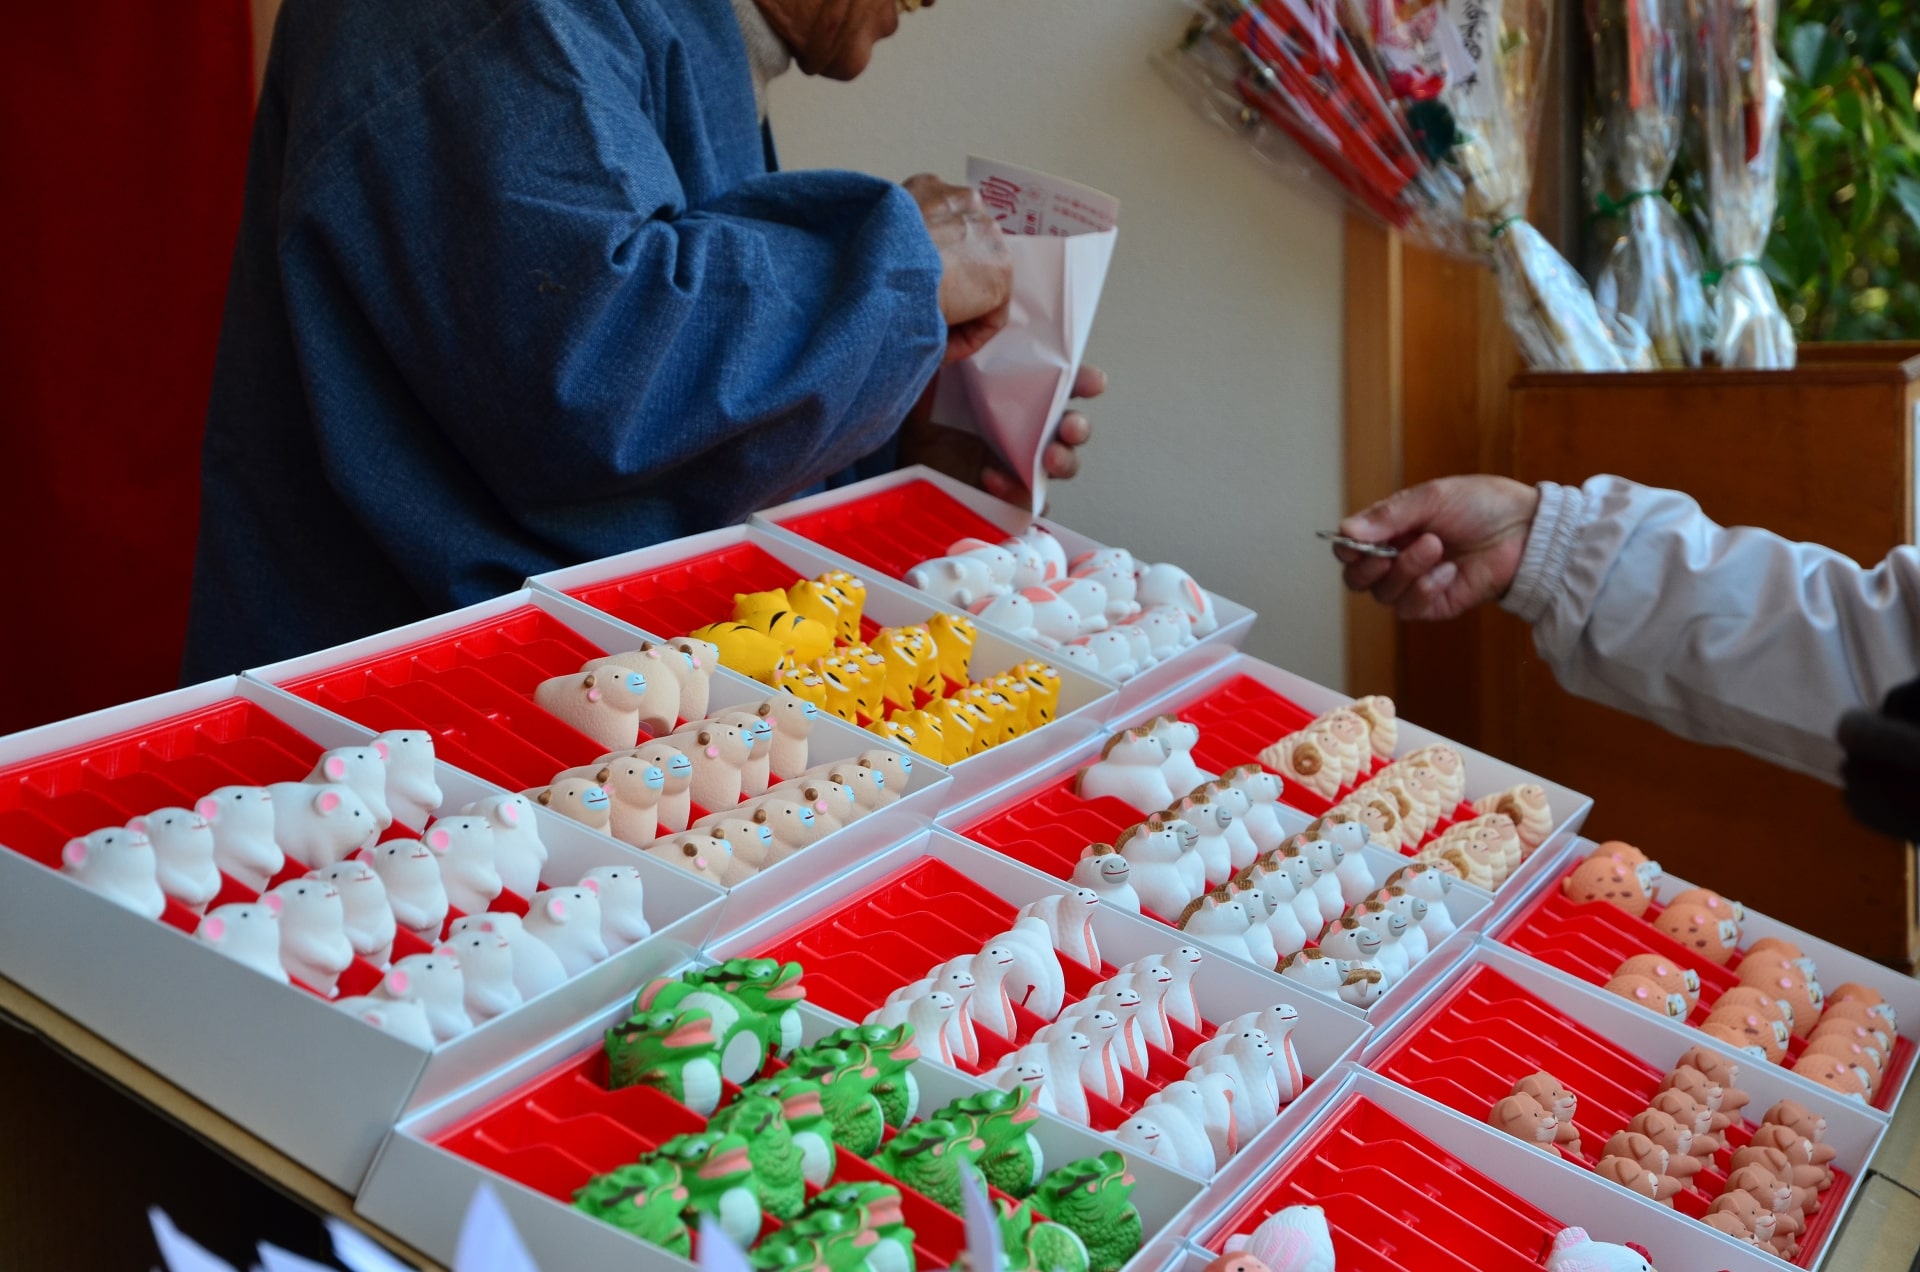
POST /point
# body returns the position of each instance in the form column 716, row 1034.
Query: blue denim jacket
column 515, row 288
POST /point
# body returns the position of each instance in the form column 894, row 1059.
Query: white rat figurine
column 623, row 912
column 464, row 846
column 243, row 843
column 365, row 769
column 405, row 1020
column 486, row 972
column 319, row 823
column 518, row 853
column 536, row 968
column 247, row 932
column 363, row 899
column 313, row 933
column 436, row 983
column 956, row 580
column 412, row 791
column 567, row 920
column 1128, row 770
column 602, row 701
column 182, row 841
column 118, row 863
column 411, row 875
column 1069, row 922
column 1103, row 870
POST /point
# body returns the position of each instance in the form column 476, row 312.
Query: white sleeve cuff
column 1543, row 563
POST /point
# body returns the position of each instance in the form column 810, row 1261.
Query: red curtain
column 123, row 134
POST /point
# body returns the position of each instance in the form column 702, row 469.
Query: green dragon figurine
column 806, row 1119
column 1003, row 1121
column 645, row 1199
column 846, row 1094
column 717, row 1173
column 1092, row 1197
column 778, row 1163
column 740, row 1030
column 674, row 1051
column 876, row 1208
column 891, row 1052
column 769, row 989
column 1032, row 1244
column 928, row 1158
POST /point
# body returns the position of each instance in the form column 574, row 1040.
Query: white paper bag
column 1015, row 389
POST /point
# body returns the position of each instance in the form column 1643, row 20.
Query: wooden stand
column 1824, row 453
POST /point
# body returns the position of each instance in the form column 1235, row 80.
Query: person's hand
column 976, row 269
column 1460, row 541
column 966, row 457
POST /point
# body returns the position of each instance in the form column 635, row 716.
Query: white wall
column 1218, row 444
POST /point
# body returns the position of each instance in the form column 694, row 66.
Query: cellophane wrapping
column 1741, row 107
column 1651, row 273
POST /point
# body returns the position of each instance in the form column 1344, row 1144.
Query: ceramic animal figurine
column 1302, row 758
column 1100, row 1068
column 486, row 971
column 702, row 658
column 182, row 841
column 1183, row 963
column 1314, row 970
column 1103, row 870
column 1219, row 919
column 868, row 785
column 1011, row 1159
column 1605, row 878
column 119, row 864
column 832, row 803
column 958, row 580
column 1648, row 1156
column 567, row 921
column 673, row 810
column 433, row 980
column 643, row 1199
column 665, row 670
column 1143, row 1132
column 1150, row 988
column 1093, row 1198
column 674, row 1050
column 719, row 753
column 623, row 912
column 413, row 792
column 1673, row 1137
column 717, row 1172
column 1277, row 1023
column 927, row 1014
column 1362, row 983
column 748, row 842
column 1172, row 586
column 1154, row 850
column 369, row 921
column 1412, row 912
column 1088, row 597
column 1574, row 1251
column 1549, row 1094
column 1431, row 886
column 1171, row 1132
column 578, row 798
column 536, row 968
column 1695, row 927
column 410, row 872
column 1788, row 984
column 1250, row 1059
column 319, row 823
column 792, row 720
column 1206, row 1101
column 243, row 844
column 778, row 1163
column 1129, row 769
column 1528, row 807
column 634, row 789
column 1262, row 819
column 1648, row 993
column 742, row 648
column 847, row 1093
column 756, row 773
column 1112, row 654
column 1671, row 977
column 602, row 701
column 991, row 1006
column 1068, row 919
column 1347, row 938
column 365, row 769
column 518, row 853
column 1294, row 1239
column 1214, row 846
column 1391, row 928
column 703, row 856
column 247, row 933
column 799, row 1100
column 957, row 1041
column 313, row 933
column 1056, row 621
column 1166, row 630
column 1522, row 1117
column 1693, row 1115
column 464, row 846
column 404, row 1020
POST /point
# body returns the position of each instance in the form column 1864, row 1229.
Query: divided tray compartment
column 1501, row 1017
column 894, row 522
column 542, row 1126
column 1410, row 1186
column 100, row 770
column 493, row 655
column 938, row 897
column 1590, row 940
column 674, row 588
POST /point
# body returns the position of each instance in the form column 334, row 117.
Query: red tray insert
column 1397, row 1202
column 1591, row 939
column 896, row 529
column 1484, row 1033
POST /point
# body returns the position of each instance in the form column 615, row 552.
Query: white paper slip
column 1015, row 389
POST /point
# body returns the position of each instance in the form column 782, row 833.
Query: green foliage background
column 1845, row 250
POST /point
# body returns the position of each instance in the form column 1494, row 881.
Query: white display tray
column 318, row 1084
column 1568, row 1192
column 832, row 739
column 1853, row 1130
column 1235, row 620
column 1328, row 1031
column 419, row 1191
column 1084, row 700
column 1836, row 966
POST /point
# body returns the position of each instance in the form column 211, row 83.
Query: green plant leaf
column 1804, row 49
column 1906, row 193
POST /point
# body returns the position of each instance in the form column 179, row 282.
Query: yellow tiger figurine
column 925, row 727
column 867, row 670
column 895, row 646
column 838, row 684
column 743, row 649
column 953, row 641
column 958, row 735
column 853, row 598
column 1016, row 691
column 813, row 599
column 805, row 683
column 1044, row 682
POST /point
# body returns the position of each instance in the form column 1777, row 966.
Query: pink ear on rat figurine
column 439, row 840
column 557, row 909
column 212, row 929
column 380, row 749
column 75, row 853
column 326, row 801
column 591, row 885
column 335, row 768
column 396, row 983
column 272, row 901
column 138, row 826
column 508, row 812
column 208, row 808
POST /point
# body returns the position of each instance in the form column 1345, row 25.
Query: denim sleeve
column 1735, row 637
column 521, row 232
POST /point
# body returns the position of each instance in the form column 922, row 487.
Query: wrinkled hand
column 966, row 457
column 1460, row 541
column 976, row 269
